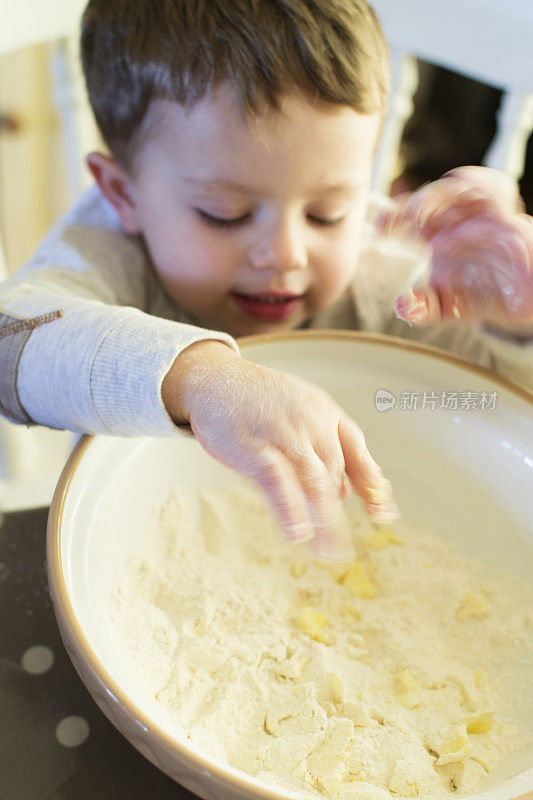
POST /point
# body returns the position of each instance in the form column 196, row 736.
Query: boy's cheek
column 180, row 258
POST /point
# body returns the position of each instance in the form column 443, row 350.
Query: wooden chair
column 487, row 40
column 31, row 458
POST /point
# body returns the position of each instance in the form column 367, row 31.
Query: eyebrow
column 239, row 187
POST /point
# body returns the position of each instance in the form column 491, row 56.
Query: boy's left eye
column 324, row 221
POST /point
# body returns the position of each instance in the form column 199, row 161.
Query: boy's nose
column 282, row 249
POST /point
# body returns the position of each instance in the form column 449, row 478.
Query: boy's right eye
column 222, row 222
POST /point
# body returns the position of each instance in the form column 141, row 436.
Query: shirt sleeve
column 77, row 350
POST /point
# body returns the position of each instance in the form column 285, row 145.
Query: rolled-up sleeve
column 99, row 369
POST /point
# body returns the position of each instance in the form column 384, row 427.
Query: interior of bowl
column 465, row 473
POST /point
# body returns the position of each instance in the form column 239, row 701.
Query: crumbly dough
column 391, row 677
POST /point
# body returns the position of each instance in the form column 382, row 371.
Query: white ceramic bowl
column 465, row 473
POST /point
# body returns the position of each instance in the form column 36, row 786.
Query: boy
column 241, row 135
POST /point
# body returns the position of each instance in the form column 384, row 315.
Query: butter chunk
column 475, row 604
column 337, row 688
column 357, row 581
column 482, row 723
column 455, row 747
column 383, row 536
column 312, row 623
column 403, row 780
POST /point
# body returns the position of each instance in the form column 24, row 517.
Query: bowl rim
column 56, row 576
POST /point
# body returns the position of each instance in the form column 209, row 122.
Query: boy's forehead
column 221, row 110
column 215, row 134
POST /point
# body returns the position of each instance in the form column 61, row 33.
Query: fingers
column 488, row 264
column 462, row 194
column 418, row 307
column 449, row 304
column 438, row 206
column 366, row 476
column 493, row 183
column 322, row 489
column 269, row 468
column 305, row 499
column 345, row 489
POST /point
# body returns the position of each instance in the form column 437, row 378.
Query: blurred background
column 453, row 123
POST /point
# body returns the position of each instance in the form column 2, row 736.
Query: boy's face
column 253, row 226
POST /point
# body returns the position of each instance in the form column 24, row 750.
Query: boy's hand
column 286, row 434
column 482, row 262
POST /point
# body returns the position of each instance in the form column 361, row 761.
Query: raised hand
column 286, row 434
column 482, row 250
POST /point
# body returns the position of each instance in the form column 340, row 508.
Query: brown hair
column 136, row 51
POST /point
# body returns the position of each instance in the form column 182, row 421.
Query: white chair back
column 488, row 40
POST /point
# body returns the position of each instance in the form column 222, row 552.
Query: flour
column 393, row 677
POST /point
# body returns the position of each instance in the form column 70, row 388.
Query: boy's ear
column 116, row 186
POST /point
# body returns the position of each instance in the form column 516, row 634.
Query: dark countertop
column 34, row 765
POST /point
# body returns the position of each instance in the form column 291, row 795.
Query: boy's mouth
column 268, row 306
